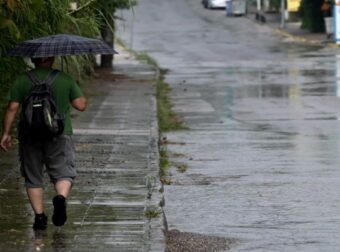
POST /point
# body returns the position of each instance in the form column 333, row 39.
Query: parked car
column 214, row 4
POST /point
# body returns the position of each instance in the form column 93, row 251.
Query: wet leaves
column 190, row 242
column 181, row 167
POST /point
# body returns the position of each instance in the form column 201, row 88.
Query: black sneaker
column 40, row 222
column 59, row 214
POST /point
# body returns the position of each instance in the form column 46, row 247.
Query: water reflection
column 263, row 91
column 58, row 244
column 295, row 49
column 39, row 236
column 287, row 81
column 43, row 241
column 337, row 74
column 317, row 73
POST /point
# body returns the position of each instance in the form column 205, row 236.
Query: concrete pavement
column 292, row 28
column 117, row 188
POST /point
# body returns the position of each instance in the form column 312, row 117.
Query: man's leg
column 32, row 170
column 63, row 187
column 60, row 167
column 36, row 197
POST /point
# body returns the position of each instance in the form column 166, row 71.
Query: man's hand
column 79, row 103
column 6, row 142
column 10, row 113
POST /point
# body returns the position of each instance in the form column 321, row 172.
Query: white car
column 212, row 4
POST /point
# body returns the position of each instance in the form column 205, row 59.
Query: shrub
column 312, row 16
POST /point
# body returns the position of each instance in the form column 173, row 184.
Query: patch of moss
column 167, row 118
column 152, row 212
column 164, row 165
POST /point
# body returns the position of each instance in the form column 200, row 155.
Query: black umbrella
column 60, row 45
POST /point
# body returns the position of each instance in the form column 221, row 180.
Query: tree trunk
column 106, row 61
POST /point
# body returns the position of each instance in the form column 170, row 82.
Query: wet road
column 263, row 147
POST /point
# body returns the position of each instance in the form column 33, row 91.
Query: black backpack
column 39, row 116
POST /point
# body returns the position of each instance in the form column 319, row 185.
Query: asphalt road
column 263, row 146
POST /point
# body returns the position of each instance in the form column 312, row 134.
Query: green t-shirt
column 64, row 89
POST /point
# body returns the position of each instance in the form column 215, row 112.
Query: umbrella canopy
column 60, row 45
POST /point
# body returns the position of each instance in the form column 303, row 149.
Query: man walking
column 56, row 154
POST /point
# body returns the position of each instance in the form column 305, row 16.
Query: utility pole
column 336, row 16
column 106, row 61
column 258, row 5
column 266, row 4
column 283, row 12
column 132, row 30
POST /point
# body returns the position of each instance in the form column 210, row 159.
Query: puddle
column 314, row 73
column 295, row 49
column 253, row 181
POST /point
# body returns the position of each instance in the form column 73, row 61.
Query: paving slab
column 116, row 142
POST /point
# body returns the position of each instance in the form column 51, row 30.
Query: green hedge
column 276, row 4
column 312, row 16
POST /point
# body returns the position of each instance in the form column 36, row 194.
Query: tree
column 107, row 10
column 276, row 4
column 105, row 16
column 312, row 16
column 22, row 20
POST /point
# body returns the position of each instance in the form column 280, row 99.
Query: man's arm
column 79, row 103
column 11, row 111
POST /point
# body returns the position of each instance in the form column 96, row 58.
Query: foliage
column 27, row 19
column 167, row 117
column 18, row 22
column 275, row 4
column 164, row 166
column 109, row 7
column 312, row 16
column 152, row 212
column 105, row 9
column 146, row 58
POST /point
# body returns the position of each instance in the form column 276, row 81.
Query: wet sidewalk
column 292, row 30
column 117, row 189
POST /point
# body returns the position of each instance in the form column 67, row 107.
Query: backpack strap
column 49, row 79
column 31, row 75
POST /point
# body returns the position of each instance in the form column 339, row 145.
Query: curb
column 295, row 38
column 156, row 198
column 299, row 39
column 154, row 201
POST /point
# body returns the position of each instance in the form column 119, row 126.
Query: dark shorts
column 56, row 155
